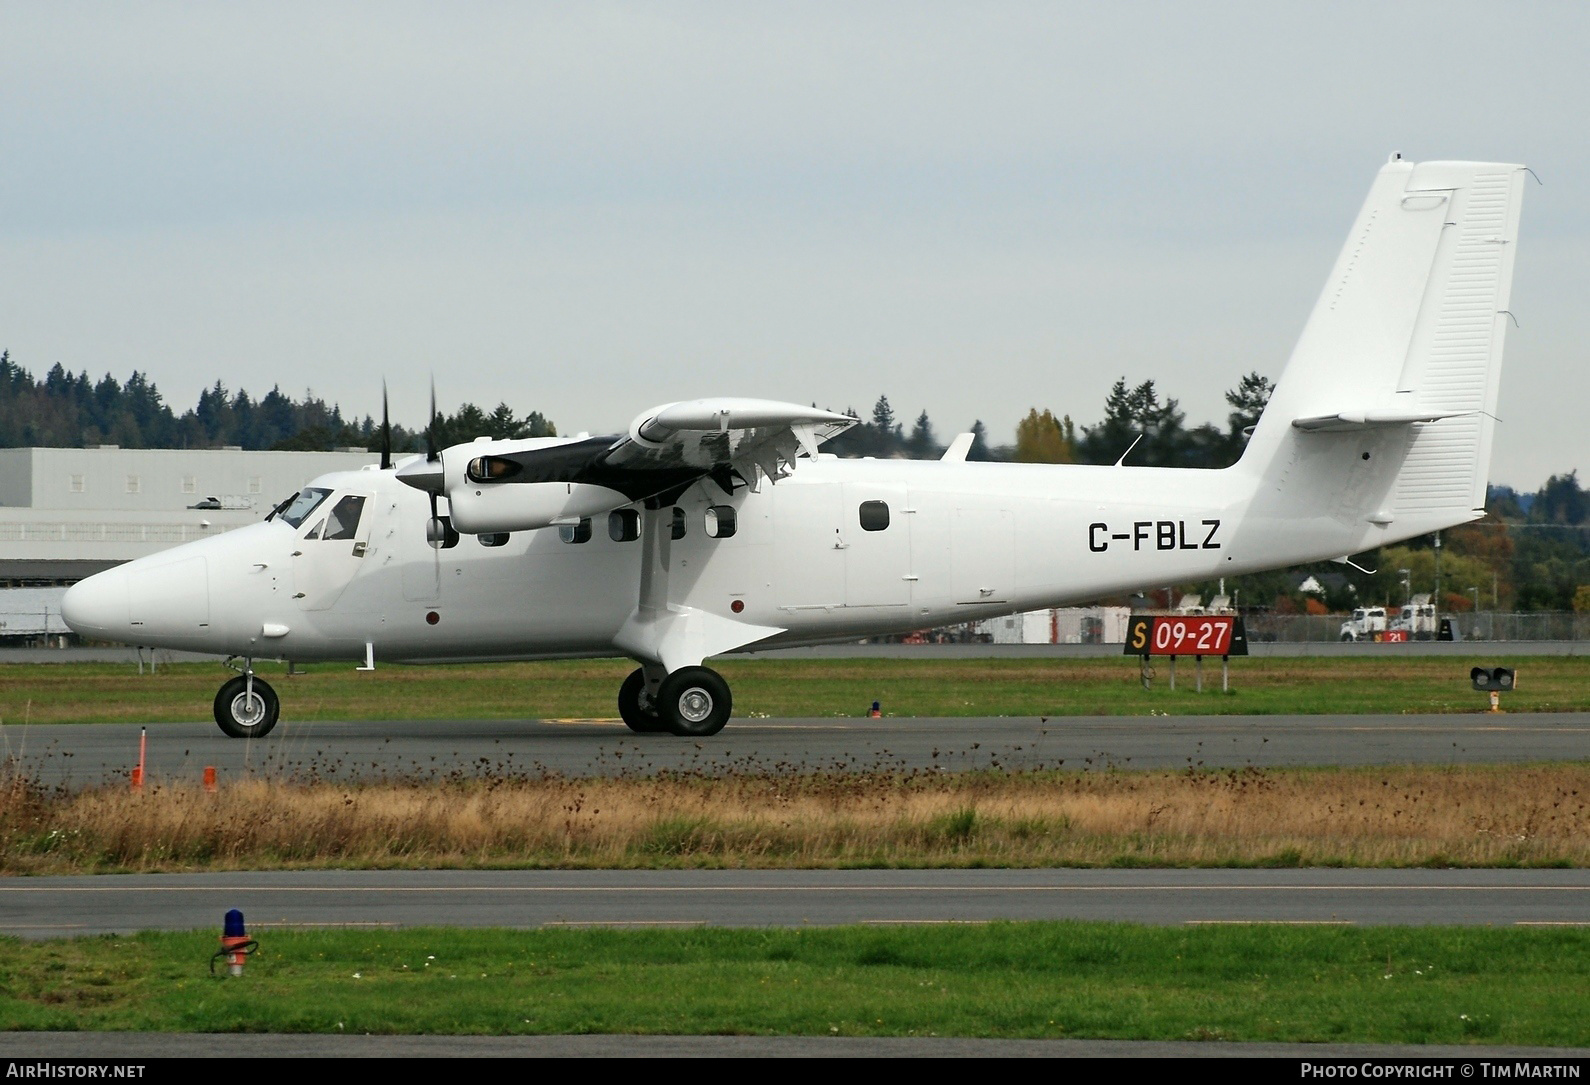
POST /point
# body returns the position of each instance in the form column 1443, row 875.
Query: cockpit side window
column 343, row 523
column 314, row 532
column 307, row 501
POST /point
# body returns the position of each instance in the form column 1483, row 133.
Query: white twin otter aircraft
column 717, row 525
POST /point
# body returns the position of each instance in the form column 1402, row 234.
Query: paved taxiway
column 86, row 754
column 60, row 906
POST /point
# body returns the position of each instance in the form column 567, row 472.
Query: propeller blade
column 431, row 454
column 386, row 432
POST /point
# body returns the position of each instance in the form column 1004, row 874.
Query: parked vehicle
column 1365, row 623
column 1418, row 619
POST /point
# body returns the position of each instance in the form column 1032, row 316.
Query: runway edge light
column 236, row 945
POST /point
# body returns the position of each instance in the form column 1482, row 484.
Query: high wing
column 753, row 438
column 495, row 486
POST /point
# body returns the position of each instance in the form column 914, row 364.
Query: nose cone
column 98, row 607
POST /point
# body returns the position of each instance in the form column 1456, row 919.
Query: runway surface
column 63, row 906
column 83, row 754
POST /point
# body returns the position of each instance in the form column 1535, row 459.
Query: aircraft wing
column 520, row 485
column 754, row 438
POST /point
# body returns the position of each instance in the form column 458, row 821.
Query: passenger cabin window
column 440, row 534
column 721, row 521
column 343, row 523
column 678, row 529
column 623, row 525
column 499, row 538
column 576, row 533
column 874, row 515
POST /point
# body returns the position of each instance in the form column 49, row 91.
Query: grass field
column 1277, row 983
column 101, row 693
column 1446, row 816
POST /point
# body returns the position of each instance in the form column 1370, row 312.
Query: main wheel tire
column 694, row 702
column 634, row 706
column 241, row 716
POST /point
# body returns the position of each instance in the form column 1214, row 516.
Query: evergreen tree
column 979, row 450
column 1247, row 402
column 921, row 445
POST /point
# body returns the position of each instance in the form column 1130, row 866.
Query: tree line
column 66, row 410
column 1137, row 423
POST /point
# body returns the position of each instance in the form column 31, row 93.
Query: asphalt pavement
column 83, row 754
column 46, row 907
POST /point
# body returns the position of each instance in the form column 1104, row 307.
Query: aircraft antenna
column 1128, row 451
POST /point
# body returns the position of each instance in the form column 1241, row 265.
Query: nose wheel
column 246, row 707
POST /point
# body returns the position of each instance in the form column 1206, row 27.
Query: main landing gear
column 246, row 706
column 692, row 701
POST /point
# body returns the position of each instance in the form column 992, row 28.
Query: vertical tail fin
column 1384, row 416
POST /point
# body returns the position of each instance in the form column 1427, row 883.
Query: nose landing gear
column 693, row 702
column 246, row 707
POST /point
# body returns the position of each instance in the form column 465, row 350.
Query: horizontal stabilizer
column 1357, row 420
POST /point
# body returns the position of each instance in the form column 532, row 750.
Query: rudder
column 1384, row 416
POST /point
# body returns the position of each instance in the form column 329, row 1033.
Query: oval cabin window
column 721, row 521
column 623, row 525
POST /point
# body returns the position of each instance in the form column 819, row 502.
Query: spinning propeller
column 427, row 474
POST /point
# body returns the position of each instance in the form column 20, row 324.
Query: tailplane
column 1384, row 415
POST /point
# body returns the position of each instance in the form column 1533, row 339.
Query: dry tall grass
column 1417, row 816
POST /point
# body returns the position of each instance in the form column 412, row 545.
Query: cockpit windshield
column 307, row 501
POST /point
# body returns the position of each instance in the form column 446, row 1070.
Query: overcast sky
column 587, row 209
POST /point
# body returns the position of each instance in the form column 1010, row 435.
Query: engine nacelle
column 487, row 508
column 515, row 485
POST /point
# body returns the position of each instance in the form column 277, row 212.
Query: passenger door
column 877, row 529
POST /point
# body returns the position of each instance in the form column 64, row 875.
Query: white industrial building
column 1062, row 625
column 66, row 513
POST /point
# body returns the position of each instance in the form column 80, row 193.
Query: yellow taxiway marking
column 578, row 720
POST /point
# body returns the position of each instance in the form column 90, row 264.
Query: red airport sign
column 1186, row 635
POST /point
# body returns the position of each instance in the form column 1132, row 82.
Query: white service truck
column 1365, row 623
column 1418, row 619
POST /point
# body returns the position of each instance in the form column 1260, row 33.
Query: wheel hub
column 248, row 709
column 695, row 704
